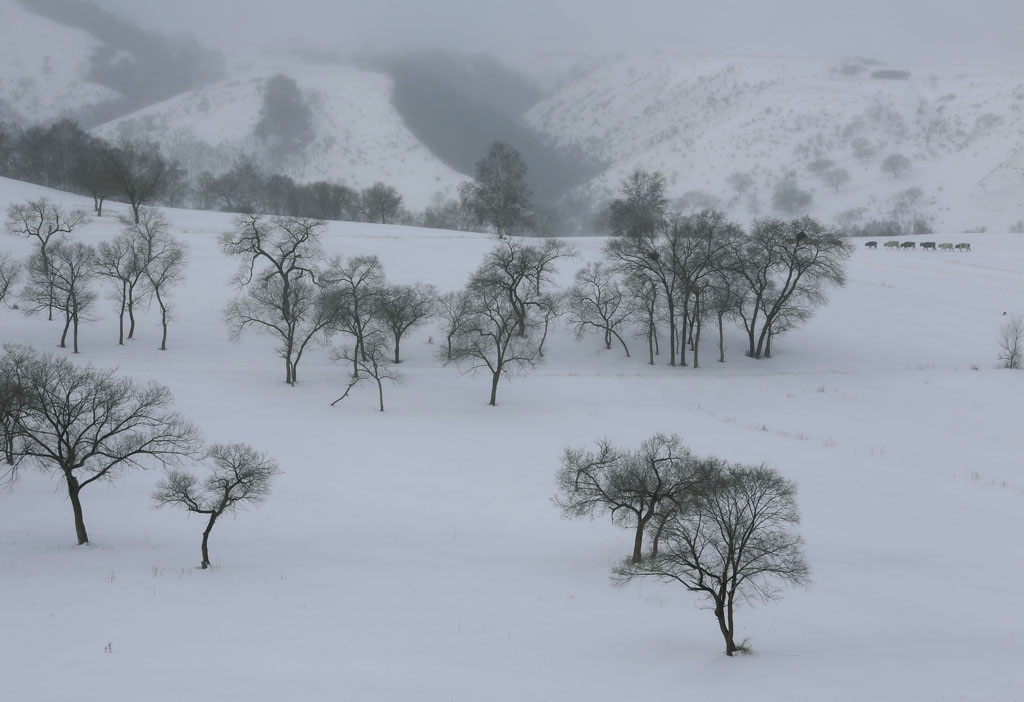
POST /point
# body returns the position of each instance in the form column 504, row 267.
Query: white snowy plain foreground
column 415, row 554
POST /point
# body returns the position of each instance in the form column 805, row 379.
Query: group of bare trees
column 290, row 291
column 87, row 424
column 725, row 531
column 145, row 261
column 667, row 275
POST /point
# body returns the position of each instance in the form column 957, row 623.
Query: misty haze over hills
column 421, row 119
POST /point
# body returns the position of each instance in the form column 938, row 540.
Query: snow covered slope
column 415, row 554
column 701, row 120
column 360, row 138
column 44, row 68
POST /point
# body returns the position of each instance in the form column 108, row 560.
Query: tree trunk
column 638, row 541
column 99, row 206
column 657, row 536
column 650, row 343
column 135, row 210
column 682, row 335
column 131, row 314
column 206, row 539
column 696, row 333
column 495, row 377
column 67, row 326
column 724, row 625
column 398, row 341
column 380, row 393
column 120, row 315
column 76, row 504
column 163, row 323
column 75, row 336
column 721, row 339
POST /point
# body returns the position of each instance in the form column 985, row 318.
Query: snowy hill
column 359, row 137
column 701, row 120
column 44, row 68
column 415, row 554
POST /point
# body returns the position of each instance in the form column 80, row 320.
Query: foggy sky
column 982, row 33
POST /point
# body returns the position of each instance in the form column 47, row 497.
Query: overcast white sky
column 986, row 33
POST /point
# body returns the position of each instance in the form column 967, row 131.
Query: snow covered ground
column 415, row 554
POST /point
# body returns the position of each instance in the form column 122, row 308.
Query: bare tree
column 732, row 539
column 371, row 364
column 641, row 207
column 357, row 284
column 489, row 338
column 1011, row 343
column 283, row 295
column 645, row 307
column 836, row 178
column 404, row 307
column 896, row 165
column 166, row 257
column 63, row 282
column 10, row 272
column 381, row 203
column 140, row 173
column 784, row 270
column 498, row 194
column 12, row 399
column 88, row 424
column 46, row 223
column 455, row 310
column 637, row 488
column 597, row 301
column 239, row 476
column 123, row 262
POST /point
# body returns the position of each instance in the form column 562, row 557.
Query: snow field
column 415, row 554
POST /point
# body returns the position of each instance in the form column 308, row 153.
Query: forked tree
column 370, row 364
column 63, row 280
column 597, row 301
column 733, row 538
column 239, row 476
column 402, row 308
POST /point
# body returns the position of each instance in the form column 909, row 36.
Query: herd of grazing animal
column 925, row 246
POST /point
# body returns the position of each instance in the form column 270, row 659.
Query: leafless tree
column 896, row 165
column 455, row 311
column 46, row 223
column 836, row 178
column 282, row 292
column 140, row 173
column 12, row 399
column 498, row 194
column 239, row 476
column 733, row 538
column 10, row 272
column 89, row 424
column 641, row 207
column 637, row 488
column 166, row 257
column 489, row 339
column 356, row 284
column 404, row 307
column 1011, row 343
column 381, row 203
column 598, row 301
column 371, row 364
column 123, row 262
column 63, row 282
column 784, row 269
column 645, row 307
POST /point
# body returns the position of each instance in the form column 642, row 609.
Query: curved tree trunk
column 76, row 505
column 206, row 539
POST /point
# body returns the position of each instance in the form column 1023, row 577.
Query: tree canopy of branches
column 598, row 301
column 140, row 173
column 642, row 206
column 784, row 270
column 498, row 194
column 63, row 283
column 896, row 165
column 285, row 125
column 381, row 203
column 732, row 538
column 88, row 424
column 44, row 222
column 637, row 488
column 282, row 292
column 239, row 476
